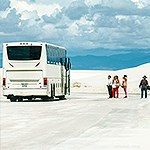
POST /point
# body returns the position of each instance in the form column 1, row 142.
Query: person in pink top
column 124, row 85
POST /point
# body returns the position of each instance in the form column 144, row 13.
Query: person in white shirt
column 109, row 86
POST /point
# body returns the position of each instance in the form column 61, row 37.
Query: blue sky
column 78, row 24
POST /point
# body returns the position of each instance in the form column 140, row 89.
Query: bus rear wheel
column 13, row 99
column 62, row 97
column 20, row 99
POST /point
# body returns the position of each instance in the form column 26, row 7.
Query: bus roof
column 31, row 44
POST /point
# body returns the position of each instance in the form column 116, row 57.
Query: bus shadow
column 41, row 100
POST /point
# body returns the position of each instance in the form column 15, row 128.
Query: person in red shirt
column 115, row 86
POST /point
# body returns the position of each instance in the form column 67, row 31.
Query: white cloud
column 118, row 4
column 74, row 29
column 48, row 32
column 54, row 18
column 10, row 24
column 141, row 3
column 76, row 10
column 41, row 8
column 4, row 4
column 29, row 15
column 63, row 3
column 93, row 2
column 79, row 24
column 121, row 17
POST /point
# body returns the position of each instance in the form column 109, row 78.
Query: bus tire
column 30, row 98
column 62, row 97
column 13, row 99
column 20, row 99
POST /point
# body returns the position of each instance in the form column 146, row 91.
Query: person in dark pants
column 109, row 86
column 143, row 85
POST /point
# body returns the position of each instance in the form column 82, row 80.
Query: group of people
column 114, row 84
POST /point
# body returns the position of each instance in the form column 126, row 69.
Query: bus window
column 24, row 52
column 55, row 55
column 48, row 51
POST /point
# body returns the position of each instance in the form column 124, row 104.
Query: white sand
column 85, row 121
column 95, row 81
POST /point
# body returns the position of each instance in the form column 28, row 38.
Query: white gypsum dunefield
column 82, row 122
column 85, row 121
column 95, row 81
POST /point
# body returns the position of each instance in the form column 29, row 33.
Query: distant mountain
column 104, row 51
column 113, row 62
column 0, row 60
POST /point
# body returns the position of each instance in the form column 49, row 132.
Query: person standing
column 143, row 85
column 115, row 86
column 124, row 85
column 109, row 86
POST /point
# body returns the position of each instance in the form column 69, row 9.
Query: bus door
column 67, row 67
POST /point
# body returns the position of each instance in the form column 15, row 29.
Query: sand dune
column 95, row 81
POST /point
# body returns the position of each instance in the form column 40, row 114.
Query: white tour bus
column 35, row 70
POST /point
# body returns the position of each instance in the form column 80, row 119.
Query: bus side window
column 47, row 51
column 57, row 56
column 49, row 54
column 54, row 56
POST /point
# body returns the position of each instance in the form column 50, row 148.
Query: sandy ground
column 96, row 80
column 87, row 120
column 82, row 122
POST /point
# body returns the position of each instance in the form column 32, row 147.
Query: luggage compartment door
column 24, row 79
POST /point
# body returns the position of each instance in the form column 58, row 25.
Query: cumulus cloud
column 41, row 8
column 10, row 24
column 30, row 15
column 53, row 18
column 4, row 4
column 80, row 24
column 63, row 3
column 76, row 10
column 117, row 4
column 32, row 1
column 141, row 3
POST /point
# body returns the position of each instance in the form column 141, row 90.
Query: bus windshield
column 24, row 52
